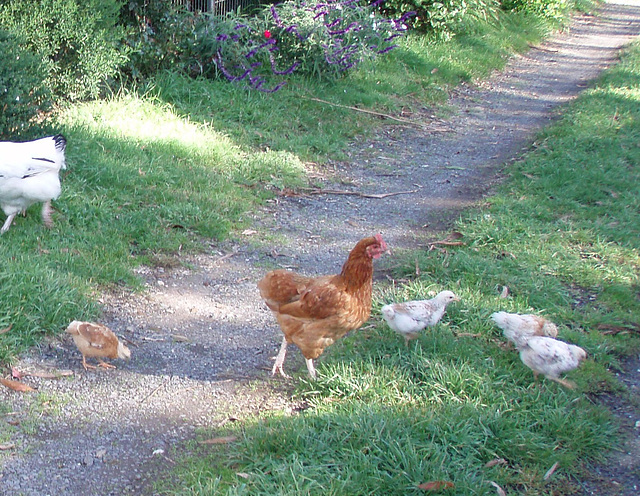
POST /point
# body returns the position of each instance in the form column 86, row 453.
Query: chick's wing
column 96, row 335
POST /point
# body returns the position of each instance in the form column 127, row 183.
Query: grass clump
column 562, row 234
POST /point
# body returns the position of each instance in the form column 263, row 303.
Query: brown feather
column 97, row 340
column 315, row 312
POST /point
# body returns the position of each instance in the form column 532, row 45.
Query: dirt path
column 202, row 341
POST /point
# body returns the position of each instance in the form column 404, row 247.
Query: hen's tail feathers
column 60, row 142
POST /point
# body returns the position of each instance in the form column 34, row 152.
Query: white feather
column 518, row 328
column 29, row 173
column 551, row 357
column 410, row 317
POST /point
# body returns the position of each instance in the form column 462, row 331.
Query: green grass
column 163, row 172
column 562, row 233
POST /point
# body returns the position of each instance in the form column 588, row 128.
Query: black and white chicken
column 29, row 173
column 410, row 317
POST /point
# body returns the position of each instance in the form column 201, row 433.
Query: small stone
column 88, row 460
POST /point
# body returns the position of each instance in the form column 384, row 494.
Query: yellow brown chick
column 97, row 341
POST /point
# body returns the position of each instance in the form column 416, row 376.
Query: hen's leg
column 277, row 367
column 105, row 365
column 310, row 368
column 46, row 214
column 7, row 224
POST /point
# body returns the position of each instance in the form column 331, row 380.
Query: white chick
column 410, row 317
column 29, row 173
column 518, row 328
column 551, row 357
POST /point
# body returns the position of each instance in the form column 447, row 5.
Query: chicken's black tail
column 60, row 141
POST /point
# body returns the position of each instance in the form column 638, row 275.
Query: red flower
column 267, row 34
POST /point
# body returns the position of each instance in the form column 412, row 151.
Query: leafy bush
column 442, row 18
column 160, row 38
column 80, row 40
column 549, row 9
column 22, row 90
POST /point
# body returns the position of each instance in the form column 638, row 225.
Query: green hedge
column 23, row 93
column 80, row 40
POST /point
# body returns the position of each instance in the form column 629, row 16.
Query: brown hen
column 98, row 341
column 315, row 312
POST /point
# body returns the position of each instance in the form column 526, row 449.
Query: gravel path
column 203, row 343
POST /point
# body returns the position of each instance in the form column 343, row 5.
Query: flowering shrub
column 323, row 39
column 234, row 48
column 330, row 37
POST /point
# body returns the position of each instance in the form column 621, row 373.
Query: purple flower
column 392, row 37
column 385, row 50
column 276, row 17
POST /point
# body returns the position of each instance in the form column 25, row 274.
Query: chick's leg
column 311, row 368
column 7, row 224
column 46, row 214
column 277, row 367
column 565, row 382
column 86, row 365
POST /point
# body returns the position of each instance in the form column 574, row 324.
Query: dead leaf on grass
column 436, row 485
column 551, row 471
column 6, row 329
column 494, row 462
column 244, row 475
column 220, row 440
column 499, row 490
column 505, row 292
column 16, row 386
column 7, row 446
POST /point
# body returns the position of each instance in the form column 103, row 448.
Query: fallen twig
column 448, row 243
column 132, row 343
column 49, row 375
column 6, row 329
column 379, row 114
column 536, row 47
column 224, row 257
column 318, row 191
column 164, row 383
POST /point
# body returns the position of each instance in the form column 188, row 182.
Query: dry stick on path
column 380, row 114
column 318, row 191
